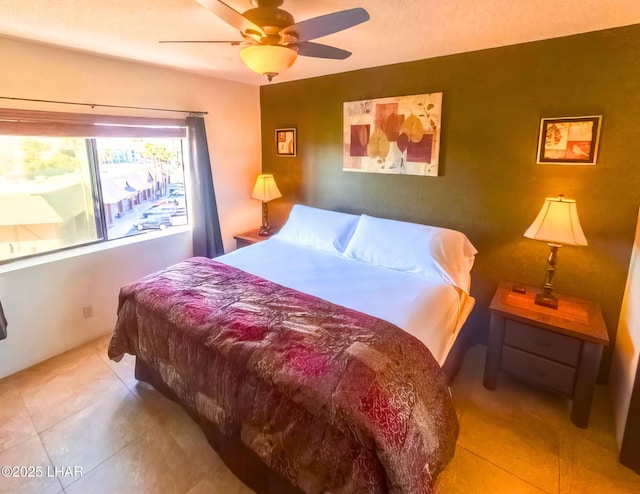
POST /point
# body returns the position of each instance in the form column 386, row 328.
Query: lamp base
column 546, row 300
column 545, row 297
column 265, row 229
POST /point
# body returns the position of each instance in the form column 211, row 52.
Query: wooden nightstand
column 557, row 349
column 248, row 238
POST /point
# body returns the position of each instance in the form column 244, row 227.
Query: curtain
column 207, row 237
column 3, row 324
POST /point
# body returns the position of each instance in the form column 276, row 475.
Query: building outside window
column 142, row 184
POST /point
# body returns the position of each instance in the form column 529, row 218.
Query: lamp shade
column 269, row 60
column 265, row 189
column 558, row 223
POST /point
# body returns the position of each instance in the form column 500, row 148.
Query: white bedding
column 430, row 309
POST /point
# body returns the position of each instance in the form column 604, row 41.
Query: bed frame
column 456, row 354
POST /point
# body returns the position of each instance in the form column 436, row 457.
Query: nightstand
column 557, row 349
column 248, row 238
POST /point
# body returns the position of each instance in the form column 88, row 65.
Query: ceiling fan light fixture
column 268, row 60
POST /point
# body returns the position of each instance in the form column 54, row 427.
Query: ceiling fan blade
column 231, row 16
column 326, row 24
column 309, row 49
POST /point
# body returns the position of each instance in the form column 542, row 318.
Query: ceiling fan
column 273, row 40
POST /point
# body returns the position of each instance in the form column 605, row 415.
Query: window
column 70, row 179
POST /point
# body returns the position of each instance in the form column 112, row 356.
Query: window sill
column 90, row 249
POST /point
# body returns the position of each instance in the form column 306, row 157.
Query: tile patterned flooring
column 81, row 411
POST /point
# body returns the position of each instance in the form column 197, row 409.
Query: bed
column 312, row 360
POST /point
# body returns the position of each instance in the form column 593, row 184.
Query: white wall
column 43, row 303
column 627, row 349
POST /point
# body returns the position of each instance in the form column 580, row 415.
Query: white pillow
column 318, row 228
column 428, row 250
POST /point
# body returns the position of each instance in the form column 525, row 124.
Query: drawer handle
column 536, row 373
column 542, row 343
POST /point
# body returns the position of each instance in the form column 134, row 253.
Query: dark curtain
column 207, row 238
column 3, row 324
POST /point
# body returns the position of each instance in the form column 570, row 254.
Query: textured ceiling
column 399, row 30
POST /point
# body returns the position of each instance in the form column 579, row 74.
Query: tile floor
column 81, row 413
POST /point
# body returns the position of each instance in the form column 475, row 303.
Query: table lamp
column 265, row 190
column 557, row 224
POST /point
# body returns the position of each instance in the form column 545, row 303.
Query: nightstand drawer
column 241, row 242
column 248, row 238
column 541, row 342
column 538, row 370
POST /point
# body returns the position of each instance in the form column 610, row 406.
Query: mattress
column 430, row 309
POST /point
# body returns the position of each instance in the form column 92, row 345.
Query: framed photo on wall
column 569, row 140
column 285, row 142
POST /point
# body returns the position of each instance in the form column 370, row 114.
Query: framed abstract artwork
column 398, row 135
column 285, row 142
column 569, row 140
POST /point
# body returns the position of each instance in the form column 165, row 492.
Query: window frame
column 90, row 127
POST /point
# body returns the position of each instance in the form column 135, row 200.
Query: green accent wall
column 490, row 186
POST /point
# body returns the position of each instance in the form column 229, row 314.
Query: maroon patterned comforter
column 332, row 399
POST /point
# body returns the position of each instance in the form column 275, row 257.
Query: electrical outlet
column 87, row 311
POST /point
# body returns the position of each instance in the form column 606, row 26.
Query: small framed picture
column 285, row 142
column 569, row 140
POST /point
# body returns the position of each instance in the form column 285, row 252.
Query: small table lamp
column 265, row 190
column 557, row 224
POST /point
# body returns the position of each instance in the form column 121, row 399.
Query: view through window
column 142, row 184
column 60, row 192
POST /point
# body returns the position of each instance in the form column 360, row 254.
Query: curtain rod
column 93, row 105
